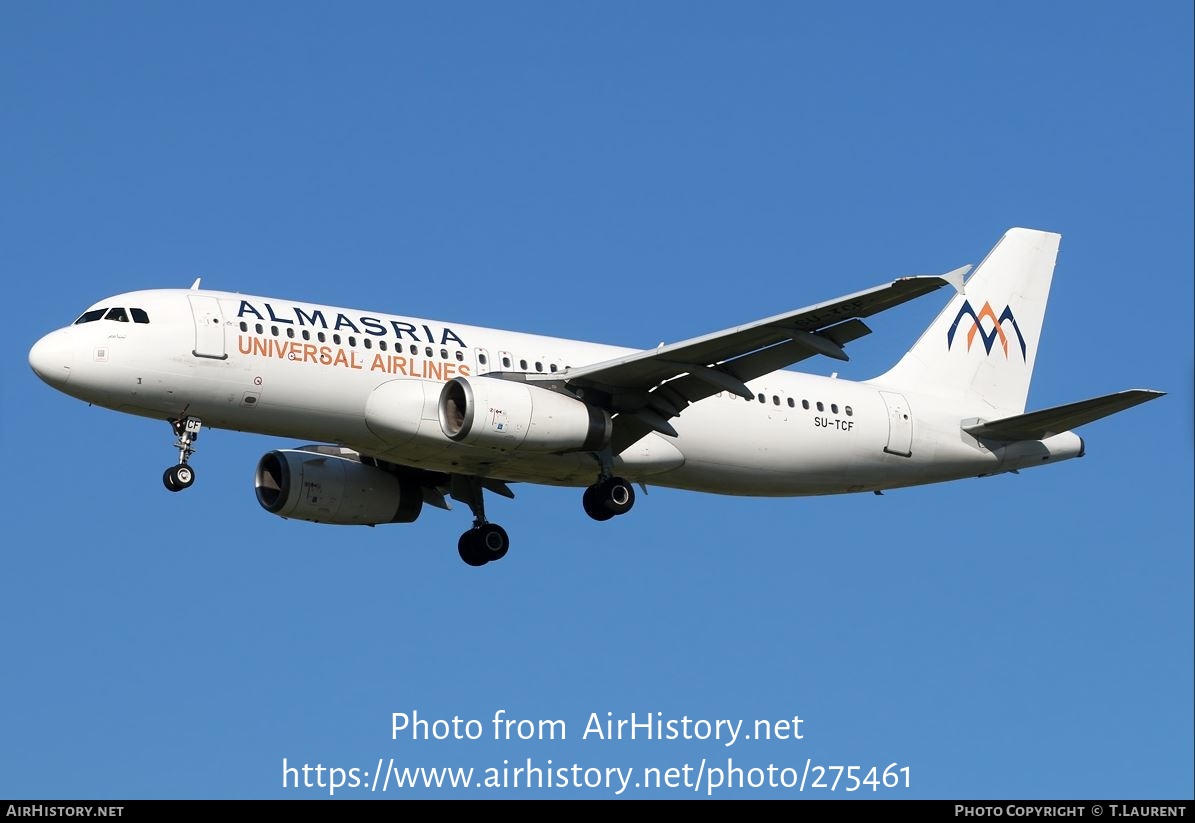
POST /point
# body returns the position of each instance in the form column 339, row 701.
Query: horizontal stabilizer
column 1039, row 425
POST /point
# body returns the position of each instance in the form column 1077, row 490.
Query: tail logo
column 988, row 337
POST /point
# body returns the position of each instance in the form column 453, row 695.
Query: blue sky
column 625, row 173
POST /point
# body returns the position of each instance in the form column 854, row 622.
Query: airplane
column 406, row 412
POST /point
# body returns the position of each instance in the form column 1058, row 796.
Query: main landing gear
column 609, row 497
column 186, row 429
column 483, row 543
column 486, row 541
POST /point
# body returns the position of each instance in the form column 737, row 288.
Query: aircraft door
column 209, row 327
column 900, row 425
column 483, row 360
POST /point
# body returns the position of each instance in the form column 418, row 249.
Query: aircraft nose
column 51, row 358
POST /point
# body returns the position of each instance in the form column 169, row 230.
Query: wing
column 647, row 388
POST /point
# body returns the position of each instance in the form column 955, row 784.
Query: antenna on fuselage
column 195, row 285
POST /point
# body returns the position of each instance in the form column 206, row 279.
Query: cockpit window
column 90, row 316
column 139, row 315
column 119, row 315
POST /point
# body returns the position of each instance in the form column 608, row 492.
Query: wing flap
column 1041, row 424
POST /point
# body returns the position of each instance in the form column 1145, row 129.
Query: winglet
column 195, row 285
column 955, row 278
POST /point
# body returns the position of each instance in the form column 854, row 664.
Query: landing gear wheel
column 483, row 544
column 493, row 541
column 618, row 496
column 608, row 498
column 591, row 502
column 469, row 549
column 177, row 478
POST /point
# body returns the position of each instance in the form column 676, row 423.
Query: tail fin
column 979, row 352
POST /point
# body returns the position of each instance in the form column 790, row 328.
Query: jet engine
column 326, row 484
column 513, row 416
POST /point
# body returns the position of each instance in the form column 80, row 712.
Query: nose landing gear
column 186, row 429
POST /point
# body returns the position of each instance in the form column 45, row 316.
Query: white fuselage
column 309, row 372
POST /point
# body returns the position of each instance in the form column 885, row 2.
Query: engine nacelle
column 511, row 416
column 333, row 486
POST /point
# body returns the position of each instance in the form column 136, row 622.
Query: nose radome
column 51, row 358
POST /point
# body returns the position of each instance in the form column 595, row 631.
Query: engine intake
column 323, row 487
column 512, row 416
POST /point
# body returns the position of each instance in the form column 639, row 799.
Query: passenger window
column 427, row 351
column 523, row 365
column 460, row 356
column 368, row 343
column 505, row 362
column 834, row 408
column 539, row 366
column 274, row 330
column 90, row 316
column 552, row 367
column 848, row 411
column 336, row 339
column 775, row 400
column 414, row 349
column 443, row 354
column 139, row 316
column 820, row 407
column 760, row 398
column 791, row 403
column 352, row 341
column 260, row 330
column 481, row 358
column 118, row 315
column 320, row 336
column 290, row 332
column 306, row 334
column 805, row 405
column 244, row 326
column 382, row 345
